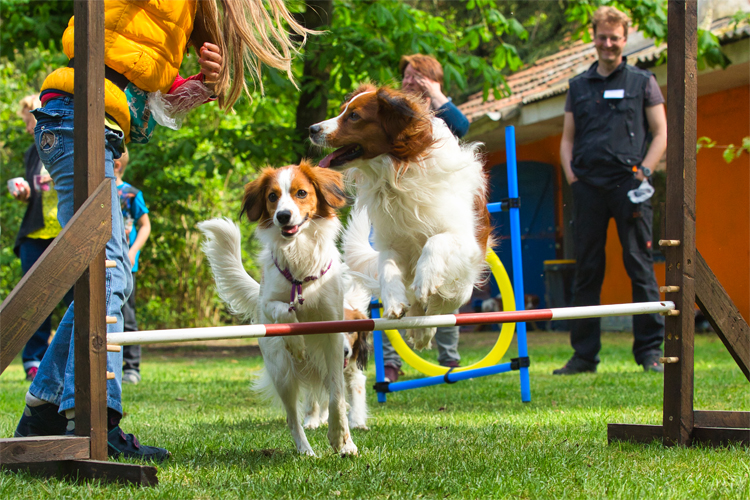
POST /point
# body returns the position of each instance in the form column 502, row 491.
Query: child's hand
column 210, row 60
column 132, row 253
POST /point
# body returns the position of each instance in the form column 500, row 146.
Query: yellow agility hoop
column 494, row 356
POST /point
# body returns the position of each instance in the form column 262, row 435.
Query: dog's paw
column 284, row 316
column 360, row 426
column 395, row 309
column 425, row 285
column 349, row 449
column 311, row 423
column 421, row 337
column 306, row 451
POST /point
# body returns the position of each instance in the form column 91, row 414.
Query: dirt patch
column 214, row 349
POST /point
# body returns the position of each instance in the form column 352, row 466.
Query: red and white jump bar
column 361, row 325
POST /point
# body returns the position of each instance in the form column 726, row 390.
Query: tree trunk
column 314, row 81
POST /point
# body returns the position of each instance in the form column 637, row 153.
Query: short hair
column 28, row 103
column 606, row 14
column 424, row 65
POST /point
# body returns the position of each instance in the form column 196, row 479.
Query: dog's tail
column 359, row 255
column 222, row 247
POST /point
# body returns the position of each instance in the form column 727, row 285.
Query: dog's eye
column 354, row 116
column 273, row 197
column 301, row 193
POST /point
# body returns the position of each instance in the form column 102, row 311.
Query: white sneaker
column 131, row 377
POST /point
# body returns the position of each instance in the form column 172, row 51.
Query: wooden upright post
column 90, row 328
column 682, row 103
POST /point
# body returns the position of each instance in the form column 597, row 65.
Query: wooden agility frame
column 77, row 257
column 689, row 278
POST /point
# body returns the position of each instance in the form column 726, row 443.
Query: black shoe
column 42, row 420
column 574, row 366
column 652, row 364
column 391, row 373
column 127, row 445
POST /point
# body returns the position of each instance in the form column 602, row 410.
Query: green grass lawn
column 474, row 439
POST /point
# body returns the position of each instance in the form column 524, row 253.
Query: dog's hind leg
column 279, row 366
column 316, row 408
column 421, row 337
column 338, row 427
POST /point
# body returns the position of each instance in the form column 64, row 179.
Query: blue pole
column 377, row 344
column 515, row 245
column 453, row 377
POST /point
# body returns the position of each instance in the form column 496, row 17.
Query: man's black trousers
column 593, row 207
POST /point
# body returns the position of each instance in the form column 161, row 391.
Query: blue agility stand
column 522, row 362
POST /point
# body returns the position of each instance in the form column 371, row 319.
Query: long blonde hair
column 248, row 36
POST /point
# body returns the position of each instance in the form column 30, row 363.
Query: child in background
column 137, row 230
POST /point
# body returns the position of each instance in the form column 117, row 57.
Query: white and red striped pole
column 359, row 325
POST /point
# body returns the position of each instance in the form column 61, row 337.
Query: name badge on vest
column 614, row 94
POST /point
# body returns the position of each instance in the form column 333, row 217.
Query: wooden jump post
column 75, row 257
column 689, row 279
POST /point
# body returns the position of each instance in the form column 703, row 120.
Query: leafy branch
column 731, row 152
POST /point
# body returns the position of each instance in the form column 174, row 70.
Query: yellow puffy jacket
column 144, row 40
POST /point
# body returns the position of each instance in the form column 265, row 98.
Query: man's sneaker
column 31, row 373
column 42, row 420
column 652, row 364
column 131, row 376
column 127, row 445
column 574, row 366
column 391, row 373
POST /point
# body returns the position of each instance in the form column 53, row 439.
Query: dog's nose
column 314, row 129
column 284, row 216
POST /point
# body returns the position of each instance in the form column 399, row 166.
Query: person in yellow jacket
column 144, row 43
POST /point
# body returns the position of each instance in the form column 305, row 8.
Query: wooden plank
column 140, row 475
column 637, row 433
column 730, row 419
column 90, row 328
column 43, row 449
column 713, row 436
column 723, row 315
column 44, row 286
column 682, row 73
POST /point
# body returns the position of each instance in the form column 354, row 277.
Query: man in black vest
column 607, row 151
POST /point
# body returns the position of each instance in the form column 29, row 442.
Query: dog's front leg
column 392, row 289
column 338, row 427
column 356, row 388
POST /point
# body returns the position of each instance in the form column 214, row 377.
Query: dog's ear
column 363, row 350
column 407, row 123
column 254, row 201
column 329, row 185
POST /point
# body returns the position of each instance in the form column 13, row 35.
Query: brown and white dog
column 295, row 207
column 423, row 192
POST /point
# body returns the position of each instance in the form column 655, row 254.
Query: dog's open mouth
column 346, row 362
column 342, row 156
column 289, row 231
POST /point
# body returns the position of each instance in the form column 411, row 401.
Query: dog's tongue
column 326, row 162
column 346, row 362
column 290, row 229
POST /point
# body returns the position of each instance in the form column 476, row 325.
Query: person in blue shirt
column 423, row 75
column 138, row 229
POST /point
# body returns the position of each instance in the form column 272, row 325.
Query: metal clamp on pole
column 518, row 363
column 382, row 387
column 508, row 203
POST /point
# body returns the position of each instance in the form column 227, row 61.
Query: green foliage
column 474, row 439
column 28, row 24
column 731, row 152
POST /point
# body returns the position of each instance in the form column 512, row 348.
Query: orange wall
column 722, row 203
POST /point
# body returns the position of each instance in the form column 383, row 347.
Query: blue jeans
column 54, row 140
column 33, row 352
